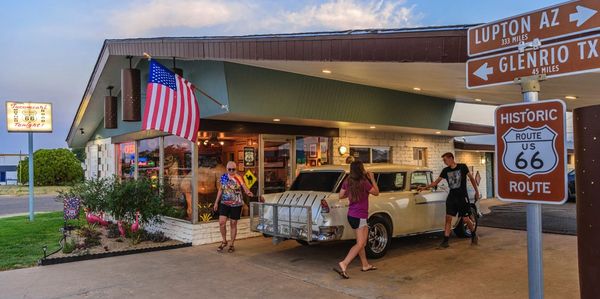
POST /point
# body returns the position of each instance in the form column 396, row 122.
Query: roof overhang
column 430, row 59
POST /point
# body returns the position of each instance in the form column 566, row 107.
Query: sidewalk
column 413, row 268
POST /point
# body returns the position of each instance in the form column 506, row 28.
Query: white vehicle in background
column 312, row 212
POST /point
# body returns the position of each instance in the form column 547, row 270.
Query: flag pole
column 223, row 106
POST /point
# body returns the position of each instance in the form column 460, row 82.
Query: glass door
column 277, row 156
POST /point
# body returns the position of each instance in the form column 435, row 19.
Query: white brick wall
column 200, row 233
column 401, row 146
column 473, row 159
column 100, row 158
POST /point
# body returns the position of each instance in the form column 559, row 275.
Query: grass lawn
column 37, row 190
column 21, row 241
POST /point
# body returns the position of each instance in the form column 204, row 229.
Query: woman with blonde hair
column 357, row 188
column 229, row 203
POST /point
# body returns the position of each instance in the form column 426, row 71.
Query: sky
column 48, row 48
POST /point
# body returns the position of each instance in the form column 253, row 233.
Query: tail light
column 324, row 206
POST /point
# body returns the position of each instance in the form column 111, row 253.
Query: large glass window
column 126, row 160
column 312, row 151
column 178, row 175
column 214, row 151
column 148, row 158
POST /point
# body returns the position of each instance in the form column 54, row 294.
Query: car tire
column 379, row 237
column 462, row 230
column 302, row 242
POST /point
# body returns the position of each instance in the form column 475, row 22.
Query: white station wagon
column 312, row 212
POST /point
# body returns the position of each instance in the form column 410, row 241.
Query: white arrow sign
column 583, row 14
column 483, row 71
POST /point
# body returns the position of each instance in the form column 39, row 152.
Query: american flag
column 171, row 105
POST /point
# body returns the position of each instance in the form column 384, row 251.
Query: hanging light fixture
column 131, row 93
column 110, row 110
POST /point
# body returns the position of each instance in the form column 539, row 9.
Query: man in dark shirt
column 458, row 200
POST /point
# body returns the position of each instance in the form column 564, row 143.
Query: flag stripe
column 171, row 105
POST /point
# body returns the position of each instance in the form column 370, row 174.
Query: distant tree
column 79, row 153
column 51, row 167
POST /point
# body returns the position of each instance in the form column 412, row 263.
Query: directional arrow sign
column 581, row 55
column 553, row 22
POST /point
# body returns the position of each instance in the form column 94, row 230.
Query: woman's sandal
column 342, row 273
column 231, row 249
column 222, row 246
column 370, row 268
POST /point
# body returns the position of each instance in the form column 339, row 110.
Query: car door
column 394, row 200
column 430, row 206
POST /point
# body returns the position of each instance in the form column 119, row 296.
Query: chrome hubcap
column 378, row 237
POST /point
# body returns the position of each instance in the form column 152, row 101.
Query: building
column 294, row 101
column 8, row 168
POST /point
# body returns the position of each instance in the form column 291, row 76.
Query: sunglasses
column 230, row 169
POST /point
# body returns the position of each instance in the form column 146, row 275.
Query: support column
column 587, row 185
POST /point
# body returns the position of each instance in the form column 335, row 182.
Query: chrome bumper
column 290, row 222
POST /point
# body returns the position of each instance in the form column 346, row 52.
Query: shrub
column 93, row 193
column 127, row 197
column 69, row 246
column 51, row 167
column 90, row 235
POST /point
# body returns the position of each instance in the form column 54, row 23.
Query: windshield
column 324, row 181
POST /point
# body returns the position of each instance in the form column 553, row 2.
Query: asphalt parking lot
column 413, row 268
column 15, row 205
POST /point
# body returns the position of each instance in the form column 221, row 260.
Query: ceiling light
column 438, row 132
column 477, row 100
column 417, row 88
column 571, row 97
column 326, row 71
column 276, row 119
column 372, row 127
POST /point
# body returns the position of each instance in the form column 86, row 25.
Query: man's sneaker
column 443, row 245
column 474, row 239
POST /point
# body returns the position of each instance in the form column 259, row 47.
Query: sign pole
column 530, row 88
column 30, row 176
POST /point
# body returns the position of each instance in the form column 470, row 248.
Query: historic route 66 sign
column 530, row 151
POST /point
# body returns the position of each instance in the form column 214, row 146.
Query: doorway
column 277, row 156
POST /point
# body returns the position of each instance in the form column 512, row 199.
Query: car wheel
column 462, row 229
column 379, row 237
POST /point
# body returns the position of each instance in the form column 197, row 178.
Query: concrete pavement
column 16, row 205
column 413, row 268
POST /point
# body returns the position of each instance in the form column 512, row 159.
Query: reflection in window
column 312, row 151
column 371, row 154
column 126, row 160
column 420, row 179
column 148, row 158
column 391, row 181
column 178, row 175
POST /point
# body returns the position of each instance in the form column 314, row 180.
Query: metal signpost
column 530, row 137
column 31, row 118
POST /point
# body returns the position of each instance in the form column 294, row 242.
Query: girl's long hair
column 355, row 178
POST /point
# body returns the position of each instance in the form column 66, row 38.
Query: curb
column 69, row 259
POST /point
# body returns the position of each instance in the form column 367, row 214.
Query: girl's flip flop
column 371, row 268
column 343, row 274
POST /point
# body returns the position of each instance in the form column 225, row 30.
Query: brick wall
column 401, row 146
column 200, row 233
column 473, row 161
column 100, row 158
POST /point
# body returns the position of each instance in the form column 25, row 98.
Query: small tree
column 51, row 167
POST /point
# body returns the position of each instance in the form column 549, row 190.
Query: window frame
column 371, row 147
column 428, row 176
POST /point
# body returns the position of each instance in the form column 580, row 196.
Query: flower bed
column 94, row 241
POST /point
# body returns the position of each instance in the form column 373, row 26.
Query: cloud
column 351, row 14
column 183, row 17
column 142, row 18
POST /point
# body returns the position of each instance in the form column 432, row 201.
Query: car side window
column 391, row 181
column 420, row 179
